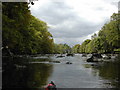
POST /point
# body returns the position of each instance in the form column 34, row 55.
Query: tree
column 62, row 48
column 22, row 32
column 83, row 46
column 76, row 48
column 107, row 40
column 15, row 18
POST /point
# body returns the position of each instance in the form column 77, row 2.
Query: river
column 38, row 71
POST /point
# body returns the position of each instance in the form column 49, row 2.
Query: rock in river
column 70, row 54
column 68, row 62
column 95, row 58
column 60, row 56
column 55, row 61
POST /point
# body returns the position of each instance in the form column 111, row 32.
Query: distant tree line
column 61, row 49
column 107, row 40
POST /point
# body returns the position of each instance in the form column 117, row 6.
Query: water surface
column 38, row 71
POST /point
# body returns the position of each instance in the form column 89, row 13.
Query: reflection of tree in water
column 38, row 74
column 18, row 73
column 110, row 71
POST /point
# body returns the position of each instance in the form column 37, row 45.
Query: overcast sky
column 73, row 21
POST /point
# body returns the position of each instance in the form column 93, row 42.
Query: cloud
column 72, row 21
column 73, row 41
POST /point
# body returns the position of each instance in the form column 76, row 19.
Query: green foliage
column 95, row 46
column 110, row 34
column 62, row 48
column 76, row 48
column 15, row 19
column 84, row 46
column 22, row 32
column 107, row 40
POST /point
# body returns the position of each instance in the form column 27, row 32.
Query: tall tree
column 22, row 32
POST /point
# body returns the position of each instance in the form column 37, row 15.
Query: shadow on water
column 108, row 71
column 19, row 73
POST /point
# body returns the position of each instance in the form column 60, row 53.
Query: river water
column 38, row 71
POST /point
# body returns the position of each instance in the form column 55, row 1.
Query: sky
column 73, row 21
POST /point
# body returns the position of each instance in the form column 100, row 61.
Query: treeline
column 61, row 49
column 106, row 41
column 22, row 33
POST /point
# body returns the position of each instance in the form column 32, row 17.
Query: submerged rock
column 60, row 56
column 55, row 61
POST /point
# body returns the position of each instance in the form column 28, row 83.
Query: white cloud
column 92, row 10
column 72, row 21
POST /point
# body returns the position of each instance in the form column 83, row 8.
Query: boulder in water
column 60, row 56
column 68, row 62
column 106, row 56
column 92, row 59
column 70, row 54
column 96, row 55
column 84, row 55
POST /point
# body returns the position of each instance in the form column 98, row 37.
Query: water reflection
column 17, row 73
column 109, row 71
